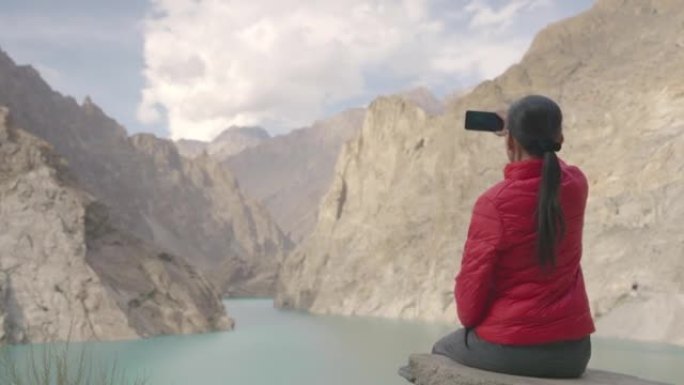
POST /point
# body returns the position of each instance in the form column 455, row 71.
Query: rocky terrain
column 391, row 228
column 230, row 142
column 437, row 370
column 66, row 273
column 289, row 174
column 191, row 208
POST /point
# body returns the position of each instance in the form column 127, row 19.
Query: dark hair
column 535, row 122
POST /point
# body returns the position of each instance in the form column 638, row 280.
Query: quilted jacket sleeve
column 475, row 280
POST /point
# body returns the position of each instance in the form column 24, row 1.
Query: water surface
column 272, row 347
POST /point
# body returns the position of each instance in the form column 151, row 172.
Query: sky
column 191, row 68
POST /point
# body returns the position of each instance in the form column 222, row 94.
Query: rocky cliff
column 290, row 174
column 230, row 142
column 391, row 228
column 67, row 274
column 188, row 207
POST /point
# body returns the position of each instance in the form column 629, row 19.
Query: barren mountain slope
column 290, row 174
column 188, row 207
column 67, row 273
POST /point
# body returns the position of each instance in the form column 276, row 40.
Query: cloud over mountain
column 283, row 63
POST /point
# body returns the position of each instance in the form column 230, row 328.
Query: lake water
column 273, row 347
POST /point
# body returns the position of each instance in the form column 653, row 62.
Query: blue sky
column 82, row 47
column 190, row 68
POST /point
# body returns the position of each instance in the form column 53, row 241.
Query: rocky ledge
column 428, row 369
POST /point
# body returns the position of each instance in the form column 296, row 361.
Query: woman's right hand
column 502, row 114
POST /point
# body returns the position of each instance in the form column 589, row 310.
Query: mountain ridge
column 188, row 207
column 229, row 142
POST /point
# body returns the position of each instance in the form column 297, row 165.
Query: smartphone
column 483, row 121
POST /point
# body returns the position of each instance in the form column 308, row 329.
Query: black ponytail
column 550, row 220
column 535, row 122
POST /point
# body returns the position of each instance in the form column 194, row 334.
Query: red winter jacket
column 501, row 290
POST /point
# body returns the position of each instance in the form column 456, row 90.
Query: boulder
column 429, row 369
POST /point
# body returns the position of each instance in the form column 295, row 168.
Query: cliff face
column 391, row 228
column 289, row 174
column 188, row 207
column 67, row 273
column 198, row 210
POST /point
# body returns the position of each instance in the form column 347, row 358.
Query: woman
column 520, row 293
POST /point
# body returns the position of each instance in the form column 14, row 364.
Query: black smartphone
column 483, row 121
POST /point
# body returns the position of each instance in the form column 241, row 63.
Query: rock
column 191, row 208
column 427, row 369
column 289, row 174
column 391, row 228
column 66, row 273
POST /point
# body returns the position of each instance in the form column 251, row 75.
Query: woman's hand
column 502, row 114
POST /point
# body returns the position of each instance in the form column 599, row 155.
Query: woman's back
column 531, row 304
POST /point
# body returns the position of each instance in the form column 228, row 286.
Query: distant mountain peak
column 231, row 141
column 233, row 132
column 423, row 98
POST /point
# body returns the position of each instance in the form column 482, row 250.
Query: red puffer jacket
column 501, row 290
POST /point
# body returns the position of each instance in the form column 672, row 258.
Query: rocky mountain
column 66, row 273
column 230, row 142
column 391, row 228
column 290, row 174
column 192, row 208
column 423, row 98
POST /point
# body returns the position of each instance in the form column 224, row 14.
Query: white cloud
column 484, row 15
column 282, row 63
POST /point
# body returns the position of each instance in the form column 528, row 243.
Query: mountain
column 191, row 148
column 423, row 98
column 290, row 174
column 391, row 228
column 67, row 274
column 191, row 208
column 230, row 142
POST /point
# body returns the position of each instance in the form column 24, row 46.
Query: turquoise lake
column 272, row 347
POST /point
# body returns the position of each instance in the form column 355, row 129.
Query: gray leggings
column 556, row 360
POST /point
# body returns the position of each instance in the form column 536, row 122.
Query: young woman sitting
column 520, row 293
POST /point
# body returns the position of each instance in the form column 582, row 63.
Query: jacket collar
column 525, row 169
